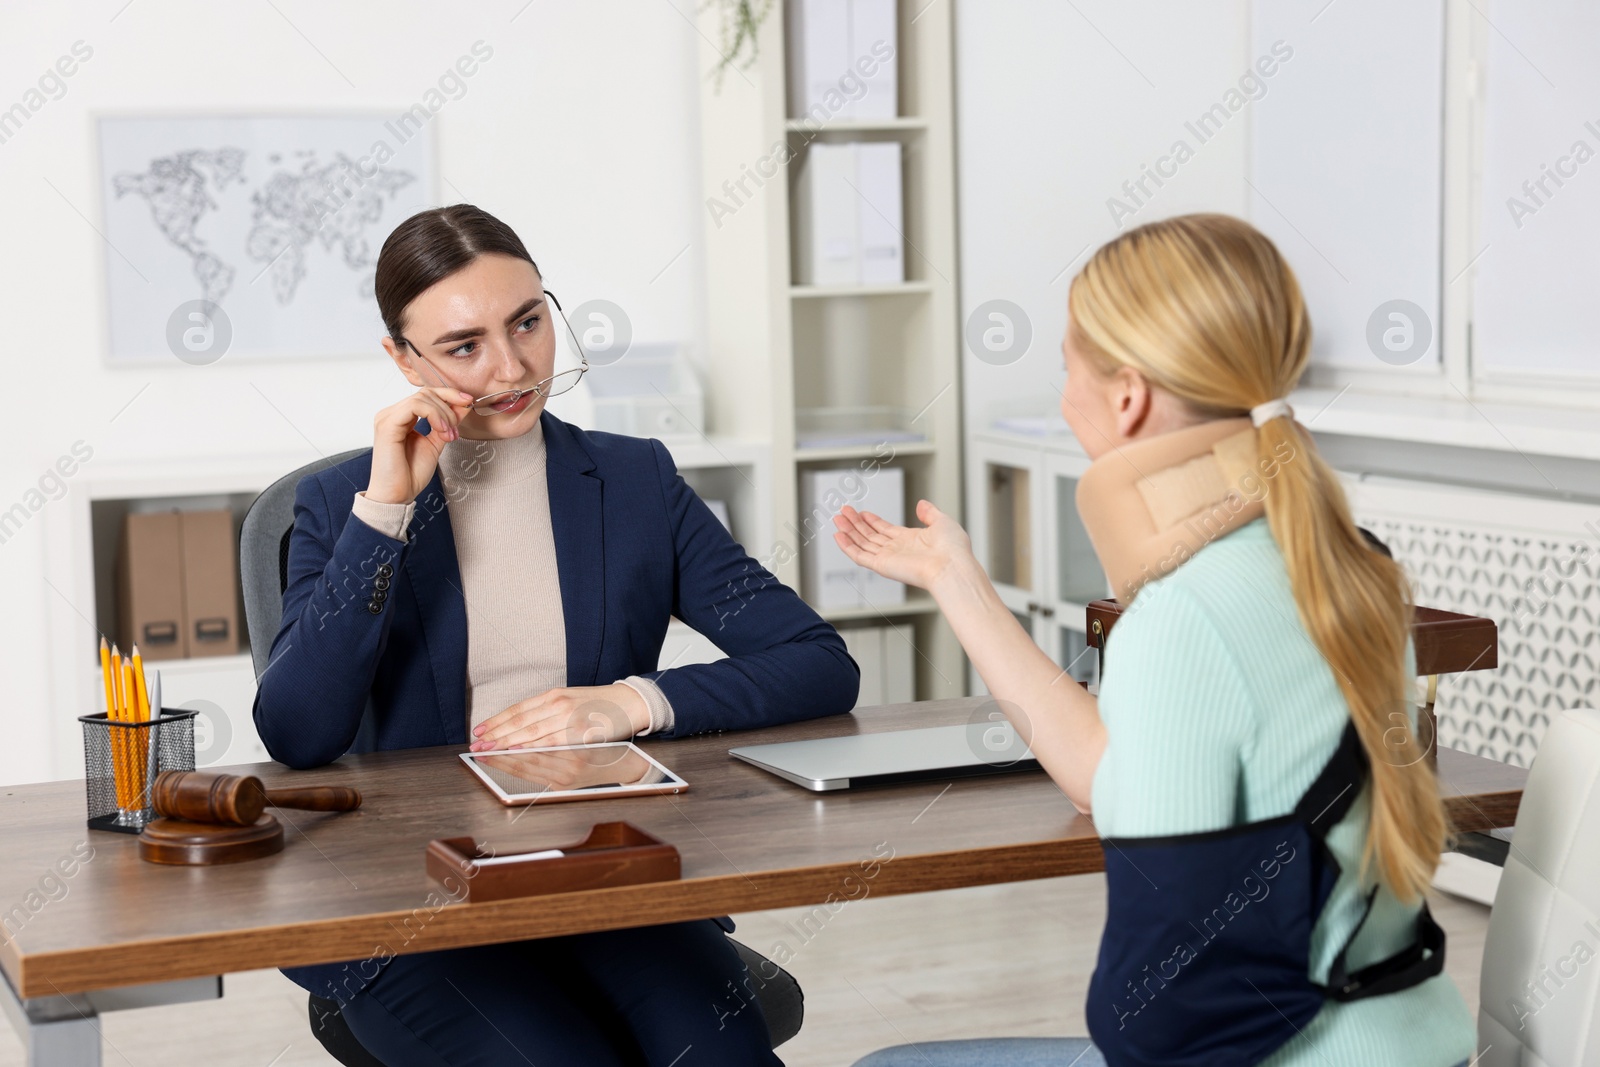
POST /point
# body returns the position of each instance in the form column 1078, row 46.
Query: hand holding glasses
column 405, row 450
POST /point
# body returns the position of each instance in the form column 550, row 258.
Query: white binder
column 880, row 214
column 831, row 44
column 828, row 577
column 872, row 32
column 849, row 214
column 819, row 54
column 827, row 230
column 884, row 654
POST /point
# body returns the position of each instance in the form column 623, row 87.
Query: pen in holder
column 122, row 759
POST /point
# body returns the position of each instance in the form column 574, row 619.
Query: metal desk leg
column 64, row 1031
column 1428, row 724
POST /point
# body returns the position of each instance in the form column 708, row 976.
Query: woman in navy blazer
column 372, row 652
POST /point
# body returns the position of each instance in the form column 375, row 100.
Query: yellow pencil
column 127, row 740
column 109, row 677
column 141, row 714
column 119, row 754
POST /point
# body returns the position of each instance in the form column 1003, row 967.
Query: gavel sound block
column 219, row 818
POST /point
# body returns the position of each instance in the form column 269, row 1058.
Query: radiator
column 1530, row 563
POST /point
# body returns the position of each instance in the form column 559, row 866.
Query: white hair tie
column 1270, row 410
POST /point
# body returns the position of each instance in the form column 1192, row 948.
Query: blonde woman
column 1270, row 822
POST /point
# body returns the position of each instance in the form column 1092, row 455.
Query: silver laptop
column 831, row 763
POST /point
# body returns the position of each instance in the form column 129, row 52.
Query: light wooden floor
column 988, row 961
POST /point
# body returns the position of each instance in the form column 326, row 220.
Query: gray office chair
column 264, row 572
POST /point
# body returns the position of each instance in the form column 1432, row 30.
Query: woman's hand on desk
column 403, row 460
column 572, row 715
column 914, row 556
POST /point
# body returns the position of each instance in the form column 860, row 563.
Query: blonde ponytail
column 1205, row 307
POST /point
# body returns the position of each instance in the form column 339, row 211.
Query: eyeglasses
column 555, row 385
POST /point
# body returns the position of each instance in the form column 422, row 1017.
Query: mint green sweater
column 1220, row 710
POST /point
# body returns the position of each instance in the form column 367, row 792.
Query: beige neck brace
column 1151, row 505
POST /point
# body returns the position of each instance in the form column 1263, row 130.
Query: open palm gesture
column 915, row 556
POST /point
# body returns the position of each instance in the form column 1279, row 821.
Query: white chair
column 1540, row 988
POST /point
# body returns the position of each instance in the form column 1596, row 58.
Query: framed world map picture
column 253, row 237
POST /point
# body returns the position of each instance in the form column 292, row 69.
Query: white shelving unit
column 779, row 348
column 1026, row 532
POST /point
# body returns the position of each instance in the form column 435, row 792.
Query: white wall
column 580, row 131
column 1534, row 295
column 1346, row 160
column 1057, row 106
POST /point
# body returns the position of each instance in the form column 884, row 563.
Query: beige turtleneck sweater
column 516, row 633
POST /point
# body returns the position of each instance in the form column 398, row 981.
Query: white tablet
column 571, row 772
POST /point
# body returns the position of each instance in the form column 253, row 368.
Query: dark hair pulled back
column 429, row 247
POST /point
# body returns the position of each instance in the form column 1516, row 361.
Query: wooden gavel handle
column 201, row 796
column 315, row 798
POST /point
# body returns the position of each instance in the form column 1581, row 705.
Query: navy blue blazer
column 372, row 650
column 371, row 653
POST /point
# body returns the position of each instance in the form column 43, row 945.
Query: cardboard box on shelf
column 210, row 583
column 177, row 582
column 150, row 587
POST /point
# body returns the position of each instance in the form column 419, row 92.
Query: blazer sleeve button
column 375, row 606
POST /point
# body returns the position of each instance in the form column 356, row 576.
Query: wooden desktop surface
column 348, row 886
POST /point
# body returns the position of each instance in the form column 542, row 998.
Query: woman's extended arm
column 1059, row 719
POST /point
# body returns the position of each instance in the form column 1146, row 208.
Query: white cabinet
column 1007, row 524
column 1026, row 532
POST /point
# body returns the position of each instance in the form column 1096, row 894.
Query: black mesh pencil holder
column 122, row 759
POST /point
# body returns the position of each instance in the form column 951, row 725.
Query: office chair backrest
column 264, row 555
column 1540, row 988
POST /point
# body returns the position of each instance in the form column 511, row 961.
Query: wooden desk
column 347, row 884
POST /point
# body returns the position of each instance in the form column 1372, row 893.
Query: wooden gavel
column 238, row 800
